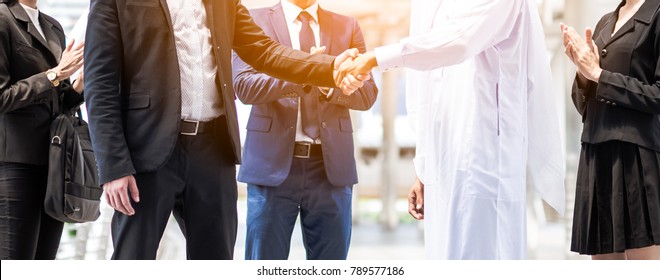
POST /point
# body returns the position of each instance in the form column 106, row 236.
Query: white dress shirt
column 200, row 99
column 34, row 17
column 291, row 12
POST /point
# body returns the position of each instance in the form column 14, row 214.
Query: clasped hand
column 352, row 69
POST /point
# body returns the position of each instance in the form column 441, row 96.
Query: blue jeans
column 325, row 215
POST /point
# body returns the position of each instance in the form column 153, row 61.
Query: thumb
column 132, row 187
column 589, row 36
column 419, row 199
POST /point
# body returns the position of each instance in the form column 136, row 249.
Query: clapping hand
column 582, row 52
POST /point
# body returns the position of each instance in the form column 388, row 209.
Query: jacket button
column 324, row 125
column 602, row 100
column 613, row 104
column 608, row 102
column 603, row 53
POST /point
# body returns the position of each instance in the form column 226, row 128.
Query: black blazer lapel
column 278, row 21
column 54, row 38
column 20, row 14
column 644, row 16
column 325, row 27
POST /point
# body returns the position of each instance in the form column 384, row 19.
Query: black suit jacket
column 625, row 103
column 271, row 129
column 27, row 99
column 132, row 77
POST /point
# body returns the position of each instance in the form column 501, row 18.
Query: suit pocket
column 345, row 125
column 138, row 101
column 143, row 3
column 27, row 49
column 259, row 123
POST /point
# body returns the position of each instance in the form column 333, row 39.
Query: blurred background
column 382, row 228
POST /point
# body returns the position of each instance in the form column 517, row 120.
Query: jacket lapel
column 278, row 21
column 325, row 27
column 644, row 15
column 20, row 14
column 166, row 12
column 52, row 38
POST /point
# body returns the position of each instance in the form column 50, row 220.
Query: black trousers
column 198, row 183
column 26, row 231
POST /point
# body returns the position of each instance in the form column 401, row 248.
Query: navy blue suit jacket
column 271, row 128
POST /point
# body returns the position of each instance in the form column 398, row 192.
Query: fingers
column 415, row 209
column 589, row 36
column 568, row 50
column 416, row 200
column 125, row 202
column 363, row 77
column 68, row 46
column 564, row 29
column 351, row 84
column 346, row 55
column 132, row 187
column 117, row 194
column 317, row 50
column 412, row 208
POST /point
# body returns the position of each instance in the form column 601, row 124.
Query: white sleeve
column 473, row 27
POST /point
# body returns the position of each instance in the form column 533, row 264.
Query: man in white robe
column 481, row 102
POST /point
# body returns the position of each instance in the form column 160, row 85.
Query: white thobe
column 479, row 95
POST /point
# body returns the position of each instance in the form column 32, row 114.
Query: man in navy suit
column 298, row 155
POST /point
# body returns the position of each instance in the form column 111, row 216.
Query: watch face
column 51, row 76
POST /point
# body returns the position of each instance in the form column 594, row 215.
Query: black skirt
column 617, row 201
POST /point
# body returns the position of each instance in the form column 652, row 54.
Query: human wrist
column 54, row 76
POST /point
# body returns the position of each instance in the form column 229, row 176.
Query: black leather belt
column 195, row 127
column 307, row 150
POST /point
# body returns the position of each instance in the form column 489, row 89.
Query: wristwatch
column 52, row 77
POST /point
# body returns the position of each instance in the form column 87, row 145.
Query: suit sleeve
column 274, row 59
column 473, row 27
column 29, row 91
column 364, row 97
column 581, row 96
column 70, row 98
column 103, row 64
column 253, row 87
column 630, row 92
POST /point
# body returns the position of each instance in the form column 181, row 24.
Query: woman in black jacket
column 34, row 69
column 617, row 92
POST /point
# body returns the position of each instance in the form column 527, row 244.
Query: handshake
column 351, row 69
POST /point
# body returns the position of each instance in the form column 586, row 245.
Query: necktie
column 309, row 107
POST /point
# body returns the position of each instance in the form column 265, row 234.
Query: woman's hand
column 79, row 83
column 583, row 53
column 71, row 61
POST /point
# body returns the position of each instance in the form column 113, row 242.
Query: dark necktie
column 309, row 107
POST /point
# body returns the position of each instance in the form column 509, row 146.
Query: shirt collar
column 292, row 11
column 32, row 13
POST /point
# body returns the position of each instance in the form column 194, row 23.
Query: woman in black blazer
column 34, row 71
column 617, row 92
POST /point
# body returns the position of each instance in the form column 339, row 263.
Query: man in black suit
column 163, row 119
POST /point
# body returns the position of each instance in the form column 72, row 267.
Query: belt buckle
column 196, row 128
column 309, row 149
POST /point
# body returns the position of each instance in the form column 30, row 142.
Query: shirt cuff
column 389, row 56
